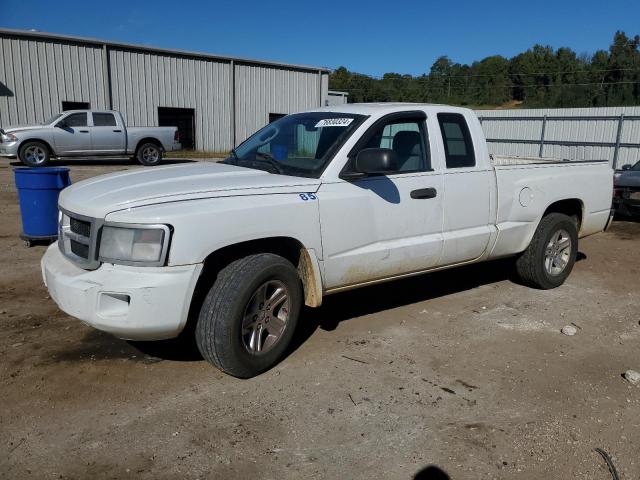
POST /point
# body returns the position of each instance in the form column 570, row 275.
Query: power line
column 408, row 86
column 484, row 87
column 473, row 75
column 622, row 82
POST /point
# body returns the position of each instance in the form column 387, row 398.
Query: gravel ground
column 461, row 374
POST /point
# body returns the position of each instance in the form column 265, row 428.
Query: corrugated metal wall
column 36, row 76
column 591, row 130
column 336, row 98
column 261, row 90
column 143, row 81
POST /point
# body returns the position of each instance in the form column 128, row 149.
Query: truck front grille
column 79, row 249
column 77, row 239
column 81, row 227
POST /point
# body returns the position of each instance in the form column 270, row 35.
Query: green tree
column 539, row 77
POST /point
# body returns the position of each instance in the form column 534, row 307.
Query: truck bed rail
column 506, row 161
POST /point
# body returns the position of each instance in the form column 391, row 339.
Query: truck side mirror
column 61, row 124
column 626, row 167
column 376, row 161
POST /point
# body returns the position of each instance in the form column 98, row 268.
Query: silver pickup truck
column 87, row 133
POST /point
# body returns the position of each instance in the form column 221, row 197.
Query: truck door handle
column 423, row 193
column 84, row 131
column 118, row 131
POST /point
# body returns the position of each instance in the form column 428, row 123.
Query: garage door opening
column 184, row 119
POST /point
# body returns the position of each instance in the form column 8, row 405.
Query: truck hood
column 21, row 128
column 99, row 196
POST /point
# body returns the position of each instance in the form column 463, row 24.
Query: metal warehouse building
column 215, row 101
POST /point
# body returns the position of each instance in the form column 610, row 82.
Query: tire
column 549, row 258
column 149, row 154
column 34, row 154
column 235, row 299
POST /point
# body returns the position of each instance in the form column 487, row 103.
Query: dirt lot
column 463, row 372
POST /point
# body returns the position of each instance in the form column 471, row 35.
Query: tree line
column 539, row 77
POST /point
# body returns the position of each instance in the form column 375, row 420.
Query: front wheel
column 249, row 316
column 149, row 154
column 34, row 154
column 549, row 258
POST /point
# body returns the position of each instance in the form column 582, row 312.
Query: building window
column 66, row 105
column 276, row 116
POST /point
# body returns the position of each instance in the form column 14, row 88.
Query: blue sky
column 370, row 37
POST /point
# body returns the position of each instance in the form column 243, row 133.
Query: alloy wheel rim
column 265, row 317
column 150, row 154
column 557, row 253
column 35, row 155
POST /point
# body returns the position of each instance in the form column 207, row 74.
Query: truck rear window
column 104, row 120
column 458, row 146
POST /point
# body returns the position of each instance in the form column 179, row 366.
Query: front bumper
column 134, row 303
column 627, row 201
column 9, row 149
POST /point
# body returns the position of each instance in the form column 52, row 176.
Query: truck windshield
column 52, row 119
column 299, row 145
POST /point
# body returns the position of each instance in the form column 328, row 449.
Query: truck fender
column 309, row 271
column 37, row 139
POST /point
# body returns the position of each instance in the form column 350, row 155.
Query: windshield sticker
column 334, row 122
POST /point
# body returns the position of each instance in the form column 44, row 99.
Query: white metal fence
column 611, row 133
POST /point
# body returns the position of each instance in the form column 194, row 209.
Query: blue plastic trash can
column 38, row 191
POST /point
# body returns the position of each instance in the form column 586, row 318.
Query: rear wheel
column 249, row 316
column 149, row 154
column 34, row 154
column 549, row 258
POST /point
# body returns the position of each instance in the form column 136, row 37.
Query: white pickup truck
column 314, row 203
column 87, row 133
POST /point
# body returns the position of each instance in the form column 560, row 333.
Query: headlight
column 134, row 245
column 9, row 137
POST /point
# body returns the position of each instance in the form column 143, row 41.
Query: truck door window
column 458, row 147
column 104, row 120
column 76, row 120
column 407, row 139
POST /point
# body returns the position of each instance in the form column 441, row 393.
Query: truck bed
column 510, row 161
